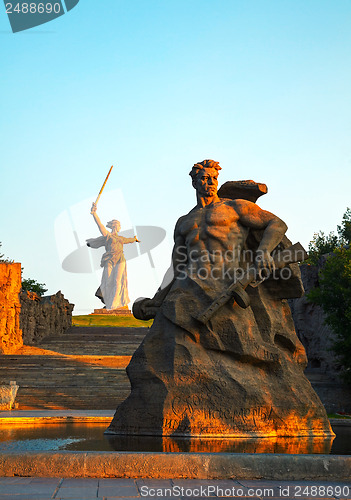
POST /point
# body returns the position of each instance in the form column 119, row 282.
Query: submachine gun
column 236, row 291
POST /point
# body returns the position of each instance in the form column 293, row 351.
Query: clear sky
column 262, row 86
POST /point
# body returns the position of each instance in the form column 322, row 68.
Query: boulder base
column 239, row 376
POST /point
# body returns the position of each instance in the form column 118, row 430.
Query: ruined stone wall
column 24, row 316
column 10, row 285
column 44, row 316
column 316, row 336
column 323, row 369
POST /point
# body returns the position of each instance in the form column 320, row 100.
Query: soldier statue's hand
column 145, row 309
column 264, row 264
column 93, row 208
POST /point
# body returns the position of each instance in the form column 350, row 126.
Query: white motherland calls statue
column 113, row 291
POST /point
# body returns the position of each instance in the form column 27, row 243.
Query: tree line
column 333, row 294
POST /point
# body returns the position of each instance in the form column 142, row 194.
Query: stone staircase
column 81, row 369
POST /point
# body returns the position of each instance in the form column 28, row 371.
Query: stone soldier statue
column 239, row 373
column 113, row 291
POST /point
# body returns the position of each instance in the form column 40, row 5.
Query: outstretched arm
column 101, row 227
column 130, row 240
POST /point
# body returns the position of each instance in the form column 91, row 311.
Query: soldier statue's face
column 206, row 182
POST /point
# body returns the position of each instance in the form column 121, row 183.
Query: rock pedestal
column 239, row 376
column 120, row 311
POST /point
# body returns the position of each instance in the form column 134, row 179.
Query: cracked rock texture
column 10, row 285
column 26, row 318
column 316, row 336
column 44, row 316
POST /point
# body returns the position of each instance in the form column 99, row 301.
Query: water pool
column 90, row 437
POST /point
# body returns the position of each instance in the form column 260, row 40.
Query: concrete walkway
column 178, row 489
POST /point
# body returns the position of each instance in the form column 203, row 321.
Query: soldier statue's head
column 205, row 177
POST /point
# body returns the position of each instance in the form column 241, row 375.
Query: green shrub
column 30, row 285
column 333, row 294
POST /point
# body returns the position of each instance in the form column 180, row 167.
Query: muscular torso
column 211, row 237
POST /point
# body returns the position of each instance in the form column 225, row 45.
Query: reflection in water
column 90, row 437
column 301, row 445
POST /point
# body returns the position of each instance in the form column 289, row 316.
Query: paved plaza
column 27, row 488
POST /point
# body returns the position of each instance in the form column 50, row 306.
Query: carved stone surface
column 241, row 373
column 44, row 316
column 247, row 190
column 10, row 285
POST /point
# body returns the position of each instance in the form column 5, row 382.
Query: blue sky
column 262, row 86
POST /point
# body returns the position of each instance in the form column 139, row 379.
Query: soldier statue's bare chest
column 220, row 214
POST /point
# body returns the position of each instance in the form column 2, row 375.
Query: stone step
column 68, row 401
column 93, row 395
column 73, row 403
column 96, row 341
column 91, row 347
column 110, row 385
column 48, row 362
column 56, row 373
column 71, row 398
column 81, row 369
column 72, row 389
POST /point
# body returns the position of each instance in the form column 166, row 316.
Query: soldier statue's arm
column 252, row 216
